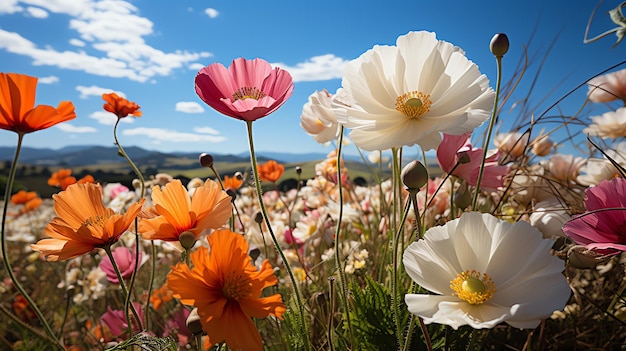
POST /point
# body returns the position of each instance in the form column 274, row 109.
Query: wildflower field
column 512, row 244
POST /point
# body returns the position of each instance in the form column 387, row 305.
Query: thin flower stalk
column 411, row 323
column 5, row 256
column 125, row 292
column 487, row 140
column 127, row 303
column 342, row 274
column 259, row 194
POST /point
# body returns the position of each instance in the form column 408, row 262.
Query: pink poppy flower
column 457, row 157
column 603, row 225
column 247, row 90
column 125, row 260
column 115, row 321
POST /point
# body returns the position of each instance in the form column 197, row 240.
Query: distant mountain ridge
column 82, row 155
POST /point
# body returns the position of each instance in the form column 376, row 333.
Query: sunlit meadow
column 515, row 241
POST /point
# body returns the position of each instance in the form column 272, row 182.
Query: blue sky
column 151, row 50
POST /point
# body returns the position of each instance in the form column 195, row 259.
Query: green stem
column 331, row 293
column 153, row 258
column 5, row 251
column 294, row 283
column 617, row 297
column 487, row 139
column 343, row 282
column 107, row 249
column 395, row 299
column 127, row 303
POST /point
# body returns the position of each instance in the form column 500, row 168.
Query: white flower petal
column 461, row 97
column 528, row 280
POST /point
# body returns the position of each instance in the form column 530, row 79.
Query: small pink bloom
column 603, row 225
column 176, row 324
column 457, row 157
column 115, row 320
column 125, row 260
column 247, row 90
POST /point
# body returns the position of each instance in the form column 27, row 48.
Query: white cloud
column 69, row 7
column 93, row 90
column 111, row 27
column 189, row 107
column 211, row 12
column 107, row 118
column 160, row 134
column 196, row 66
column 323, row 67
column 37, row 12
column 70, row 128
column 48, row 80
column 206, row 130
column 10, row 6
column 77, row 42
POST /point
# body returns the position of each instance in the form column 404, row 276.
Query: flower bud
column 414, row 175
column 258, row 218
column 499, row 44
column 463, row 158
column 298, row 170
column 581, row 257
column 187, row 240
column 462, row 197
column 206, row 160
column 542, row 146
column 193, row 322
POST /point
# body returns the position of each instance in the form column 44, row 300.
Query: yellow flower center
column 473, row 288
column 236, row 286
column 248, row 93
column 413, row 104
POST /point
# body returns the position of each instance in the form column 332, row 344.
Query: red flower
column 270, row 171
column 18, row 112
column 119, row 106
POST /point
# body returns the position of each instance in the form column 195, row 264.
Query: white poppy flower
column 608, row 87
column 485, row 271
column 318, row 118
column 410, row 93
column 611, row 124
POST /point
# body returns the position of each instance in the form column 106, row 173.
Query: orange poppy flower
column 226, row 288
column 57, row 178
column 119, row 106
column 209, row 208
column 18, row 112
column 63, row 178
column 22, row 197
column 82, row 223
column 233, row 183
column 160, row 297
column 32, row 205
column 22, row 309
column 271, row 171
column 86, row 179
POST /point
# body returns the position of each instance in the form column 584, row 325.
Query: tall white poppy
column 410, row 93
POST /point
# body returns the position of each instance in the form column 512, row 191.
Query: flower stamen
column 248, row 93
column 96, row 221
column 473, row 288
column 236, row 286
column 413, row 104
